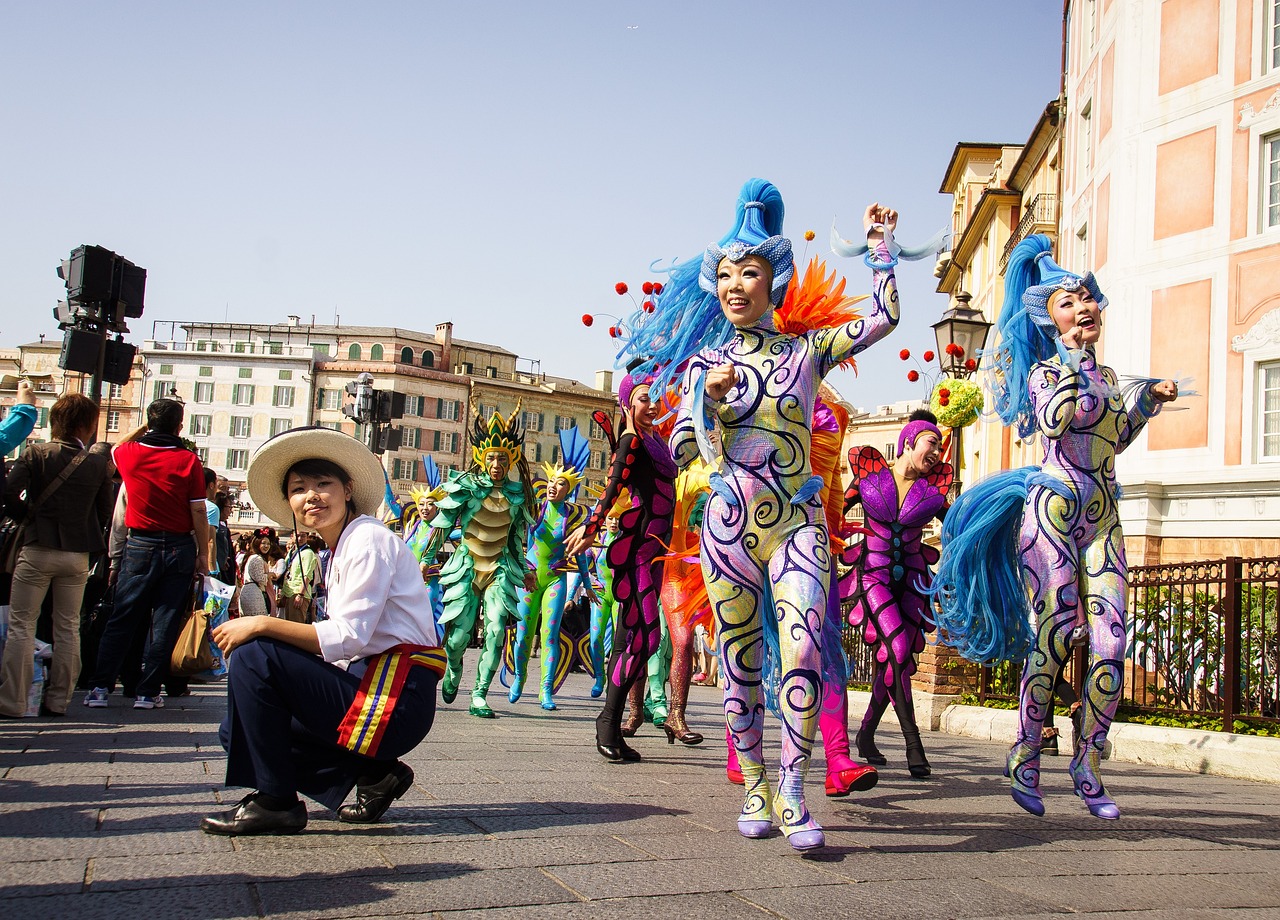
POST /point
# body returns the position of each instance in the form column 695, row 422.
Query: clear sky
column 497, row 164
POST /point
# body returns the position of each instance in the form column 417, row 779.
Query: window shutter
column 436, row 440
column 542, row 424
column 439, row 407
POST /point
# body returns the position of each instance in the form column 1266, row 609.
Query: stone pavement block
column 444, row 887
column 44, row 877
column 512, row 853
column 1240, row 863
column 237, row 867
column 176, row 816
column 712, row 906
column 1086, row 893
column 130, row 844
column 1175, row 913
column 208, row 903
column 945, row 899
column 45, row 820
column 714, row 873
column 324, row 830
column 620, row 822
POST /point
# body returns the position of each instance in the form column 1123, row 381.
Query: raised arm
column 1054, row 390
column 834, row 346
column 620, row 471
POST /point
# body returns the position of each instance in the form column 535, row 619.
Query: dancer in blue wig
column 1029, row 554
column 765, row 553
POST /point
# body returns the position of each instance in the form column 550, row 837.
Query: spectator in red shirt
column 168, row 545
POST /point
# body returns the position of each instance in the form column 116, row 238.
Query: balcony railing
column 1038, row 217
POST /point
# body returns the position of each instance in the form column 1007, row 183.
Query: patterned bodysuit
column 761, row 535
column 642, row 465
column 1072, row 553
column 546, row 601
column 889, row 570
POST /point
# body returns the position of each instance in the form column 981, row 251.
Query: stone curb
column 1219, row 753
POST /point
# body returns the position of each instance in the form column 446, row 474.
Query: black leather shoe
column 373, row 800
column 609, row 751
column 251, row 818
column 48, row 713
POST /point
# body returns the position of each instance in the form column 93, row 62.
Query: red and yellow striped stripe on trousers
column 366, row 721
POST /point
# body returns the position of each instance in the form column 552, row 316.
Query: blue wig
column 687, row 318
column 1027, row 332
column 978, row 588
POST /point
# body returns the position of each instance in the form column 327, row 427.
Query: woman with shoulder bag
column 62, row 491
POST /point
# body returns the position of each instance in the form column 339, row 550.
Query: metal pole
column 1231, row 642
column 95, row 384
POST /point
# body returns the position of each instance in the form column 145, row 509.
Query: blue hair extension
column 686, row 319
column 431, row 471
column 978, row 587
column 1023, row 342
column 575, row 453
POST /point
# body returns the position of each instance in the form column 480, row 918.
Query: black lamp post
column 961, row 334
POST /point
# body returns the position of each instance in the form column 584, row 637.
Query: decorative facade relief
column 1266, row 331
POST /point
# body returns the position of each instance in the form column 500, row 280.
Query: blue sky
column 497, row 164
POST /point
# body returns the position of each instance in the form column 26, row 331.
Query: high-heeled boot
column 731, row 767
column 609, row 741
column 1088, row 784
column 677, row 730
column 843, row 774
column 803, row 832
column 1022, row 766
column 917, row 763
column 635, row 713
column 755, row 820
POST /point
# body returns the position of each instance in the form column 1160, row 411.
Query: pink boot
column 731, row 768
column 843, row 775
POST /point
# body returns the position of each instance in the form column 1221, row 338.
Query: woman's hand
column 1072, row 338
column 720, row 381
column 577, row 543
column 26, row 396
column 1164, row 391
column 233, row 633
column 877, row 214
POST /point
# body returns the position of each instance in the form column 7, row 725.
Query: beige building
column 1171, row 193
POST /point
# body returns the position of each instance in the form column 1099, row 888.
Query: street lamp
column 961, row 334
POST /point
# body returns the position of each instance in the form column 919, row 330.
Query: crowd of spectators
column 111, row 554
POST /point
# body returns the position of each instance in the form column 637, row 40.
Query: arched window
column 375, row 353
column 353, row 353
column 406, row 355
column 428, row 359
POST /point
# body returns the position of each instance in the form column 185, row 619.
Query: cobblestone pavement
column 519, row 817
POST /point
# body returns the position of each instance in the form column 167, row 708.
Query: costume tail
column 978, row 588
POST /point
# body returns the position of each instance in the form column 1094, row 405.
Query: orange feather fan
column 816, row 301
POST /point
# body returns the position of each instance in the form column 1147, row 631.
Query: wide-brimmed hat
column 273, row 459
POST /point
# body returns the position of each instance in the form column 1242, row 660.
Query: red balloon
column 587, row 319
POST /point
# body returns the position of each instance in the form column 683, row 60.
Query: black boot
column 609, row 741
column 865, row 741
column 917, row 763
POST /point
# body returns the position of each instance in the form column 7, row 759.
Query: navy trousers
column 284, row 707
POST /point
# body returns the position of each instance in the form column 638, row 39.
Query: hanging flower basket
column 955, row 402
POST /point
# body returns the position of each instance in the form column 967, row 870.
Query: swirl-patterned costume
column 890, row 570
column 642, row 464
column 764, row 533
column 1064, row 518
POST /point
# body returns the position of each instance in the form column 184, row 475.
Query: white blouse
column 377, row 599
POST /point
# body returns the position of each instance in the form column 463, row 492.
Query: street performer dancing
column 492, row 511
column 764, row 534
column 1062, row 517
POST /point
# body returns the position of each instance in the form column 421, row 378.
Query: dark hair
column 318, row 466
column 210, row 477
column 923, row 415
column 165, row 416
column 223, row 501
column 73, row 413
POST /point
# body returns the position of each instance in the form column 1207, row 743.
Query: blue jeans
column 156, row 575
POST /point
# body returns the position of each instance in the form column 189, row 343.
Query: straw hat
column 272, row 460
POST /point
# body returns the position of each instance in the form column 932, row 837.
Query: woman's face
column 557, row 489
column 318, row 502
column 1077, row 308
column 743, row 289
column 643, row 410
column 925, row 453
column 263, row 546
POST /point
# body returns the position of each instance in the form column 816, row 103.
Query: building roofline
column 954, row 163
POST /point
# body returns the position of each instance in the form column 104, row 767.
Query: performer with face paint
column 558, row 516
column 488, row 567
column 423, row 539
column 890, row 572
column 642, row 464
column 764, row 533
column 1062, row 517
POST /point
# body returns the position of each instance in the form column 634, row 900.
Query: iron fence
column 1203, row 639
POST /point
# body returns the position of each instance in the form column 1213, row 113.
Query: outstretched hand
column 878, row 216
column 577, row 543
column 1164, row 391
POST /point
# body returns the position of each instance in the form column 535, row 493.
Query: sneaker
column 96, row 698
column 149, row 702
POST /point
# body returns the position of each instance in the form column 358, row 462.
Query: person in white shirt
column 322, row 708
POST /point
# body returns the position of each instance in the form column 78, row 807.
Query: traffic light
column 388, row 439
column 351, row 401
column 390, row 406
column 102, row 287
